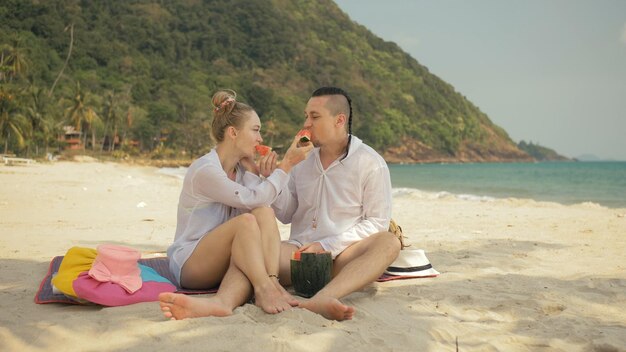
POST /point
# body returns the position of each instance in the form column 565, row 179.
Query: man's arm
column 286, row 203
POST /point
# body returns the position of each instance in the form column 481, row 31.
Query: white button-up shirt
column 336, row 207
column 209, row 198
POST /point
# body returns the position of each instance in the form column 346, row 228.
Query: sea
column 603, row 183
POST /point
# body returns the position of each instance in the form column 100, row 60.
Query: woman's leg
column 211, row 258
column 248, row 253
column 238, row 240
column 234, row 291
column 270, row 237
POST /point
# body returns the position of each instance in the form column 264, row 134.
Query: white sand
column 517, row 275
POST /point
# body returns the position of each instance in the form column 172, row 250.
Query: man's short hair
column 338, row 103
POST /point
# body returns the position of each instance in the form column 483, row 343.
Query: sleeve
column 251, row 180
column 286, row 203
column 376, row 210
column 212, row 184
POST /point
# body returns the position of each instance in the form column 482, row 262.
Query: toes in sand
column 329, row 307
column 271, row 300
column 178, row 306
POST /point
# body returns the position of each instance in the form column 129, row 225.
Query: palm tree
column 82, row 116
column 41, row 120
column 92, row 120
column 4, row 66
column 112, row 118
column 76, row 112
column 13, row 60
column 12, row 123
column 67, row 59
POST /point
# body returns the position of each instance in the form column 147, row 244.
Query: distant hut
column 72, row 138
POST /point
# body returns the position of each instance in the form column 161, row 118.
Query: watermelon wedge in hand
column 304, row 135
column 263, row 150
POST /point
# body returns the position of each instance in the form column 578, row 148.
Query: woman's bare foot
column 270, row 299
column 176, row 306
column 329, row 307
column 286, row 295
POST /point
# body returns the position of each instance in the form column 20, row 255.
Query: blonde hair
column 227, row 111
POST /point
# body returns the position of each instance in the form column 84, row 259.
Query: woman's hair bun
column 224, row 101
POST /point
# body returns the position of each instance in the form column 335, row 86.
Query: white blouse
column 336, row 207
column 209, row 198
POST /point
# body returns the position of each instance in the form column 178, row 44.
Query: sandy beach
column 516, row 275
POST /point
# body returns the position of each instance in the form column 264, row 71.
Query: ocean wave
column 179, row 173
column 420, row 194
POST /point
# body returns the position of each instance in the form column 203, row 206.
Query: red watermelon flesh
column 263, row 150
column 305, row 135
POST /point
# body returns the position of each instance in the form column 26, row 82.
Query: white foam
column 417, row 193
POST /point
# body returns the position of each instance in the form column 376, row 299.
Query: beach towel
column 111, row 294
column 74, row 262
column 46, row 295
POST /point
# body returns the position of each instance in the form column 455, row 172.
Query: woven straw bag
column 397, row 230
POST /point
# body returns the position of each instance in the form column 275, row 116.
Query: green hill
column 541, row 153
column 145, row 70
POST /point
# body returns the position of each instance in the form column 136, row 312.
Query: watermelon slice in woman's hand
column 263, row 150
column 304, row 135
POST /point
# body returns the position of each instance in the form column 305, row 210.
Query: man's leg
column 357, row 266
column 286, row 251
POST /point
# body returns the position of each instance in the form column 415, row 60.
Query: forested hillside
column 143, row 71
column 541, row 153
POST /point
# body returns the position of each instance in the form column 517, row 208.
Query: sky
column 551, row 72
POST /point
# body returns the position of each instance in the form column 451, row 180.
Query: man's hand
column 314, row 247
column 295, row 154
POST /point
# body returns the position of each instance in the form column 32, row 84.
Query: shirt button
column 236, row 193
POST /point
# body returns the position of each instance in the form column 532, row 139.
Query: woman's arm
column 211, row 183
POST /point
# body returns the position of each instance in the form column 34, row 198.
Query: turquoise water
column 563, row 182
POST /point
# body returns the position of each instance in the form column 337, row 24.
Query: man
column 339, row 200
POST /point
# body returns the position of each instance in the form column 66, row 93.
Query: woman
column 226, row 232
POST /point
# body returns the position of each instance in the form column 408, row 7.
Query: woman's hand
column 295, row 154
column 267, row 164
column 249, row 165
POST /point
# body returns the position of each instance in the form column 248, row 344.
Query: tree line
column 142, row 72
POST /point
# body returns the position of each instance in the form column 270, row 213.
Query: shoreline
column 487, row 194
column 516, row 274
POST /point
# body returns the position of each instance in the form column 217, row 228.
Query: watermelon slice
column 305, row 136
column 263, row 150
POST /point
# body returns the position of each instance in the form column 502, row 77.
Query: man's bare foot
column 176, row 306
column 270, row 299
column 286, row 295
column 329, row 307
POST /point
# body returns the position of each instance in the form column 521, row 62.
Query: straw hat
column 411, row 262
